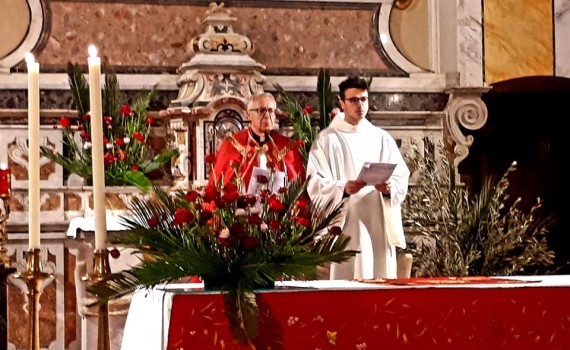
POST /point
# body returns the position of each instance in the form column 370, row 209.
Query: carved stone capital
column 464, row 109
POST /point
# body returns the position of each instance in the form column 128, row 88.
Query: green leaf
column 242, row 312
column 138, row 179
column 326, row 99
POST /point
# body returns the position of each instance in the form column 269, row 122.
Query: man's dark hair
column 352, row 83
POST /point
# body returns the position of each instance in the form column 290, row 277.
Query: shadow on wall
column 522, row 127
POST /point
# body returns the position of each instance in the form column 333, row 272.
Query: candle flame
column 29, row 58
column 92, row 51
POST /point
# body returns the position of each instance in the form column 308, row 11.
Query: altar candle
column 96, row 117
column 5, row 186
column 33, row 151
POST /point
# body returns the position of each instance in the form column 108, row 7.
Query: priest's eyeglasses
column 355, row 100
column 263, row 110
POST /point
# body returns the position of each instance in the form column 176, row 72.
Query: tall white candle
column 33, row 151
column 96, row 114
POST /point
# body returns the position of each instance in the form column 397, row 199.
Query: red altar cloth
column 466, row 317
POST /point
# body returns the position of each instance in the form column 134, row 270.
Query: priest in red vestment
column 259, row 145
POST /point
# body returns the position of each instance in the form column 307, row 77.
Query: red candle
column 4, row 181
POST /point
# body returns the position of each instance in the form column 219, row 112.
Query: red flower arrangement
column 234, row 242
column 128, row 156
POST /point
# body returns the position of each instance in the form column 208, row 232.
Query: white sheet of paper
column 376, row 173
column 276, row 182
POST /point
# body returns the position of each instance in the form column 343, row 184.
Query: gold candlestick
column 35, row 280
column 101, row 269
column 5, row 269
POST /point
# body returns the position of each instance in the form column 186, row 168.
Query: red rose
column 254, row 219
column 135, row 167
column 275, row 204
column 181, row 216
column 308, row 109
column 237, row 230
column 191, row 196
column 115, row 253
column 302, row 204
column 282, row 189
column 126, row 110
column 119, row 142
column 210, row 193
column 302, row 221
column 85, row 136
column 270, row 165
column 64, row 122
column 224, row 242
column 138, row 136
column 230, row 197
column 150, row 121
column 274, row 225
column 262, row 179
column 153, row 221
column 230, row 187
column 249, row 242
column 335, row 230
column 210, row 158
column 108, row 159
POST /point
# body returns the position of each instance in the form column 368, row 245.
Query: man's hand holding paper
column 376, row 173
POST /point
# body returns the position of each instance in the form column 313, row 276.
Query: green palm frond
column 112, row 96
column 79, row 89
column 326, row 98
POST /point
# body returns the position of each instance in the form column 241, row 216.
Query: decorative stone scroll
column 465, row 109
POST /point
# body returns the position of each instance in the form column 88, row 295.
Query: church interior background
column 481, row 76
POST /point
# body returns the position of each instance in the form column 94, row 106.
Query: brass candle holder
column 5, row 268
column 101, row 269
column 35, row 280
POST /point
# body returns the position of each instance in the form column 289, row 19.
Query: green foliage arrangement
column 128, row 156
column 236, row 243
column 459, row 233
column 306, row 124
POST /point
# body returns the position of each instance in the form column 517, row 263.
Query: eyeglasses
column 263, row 110
column 356, row 100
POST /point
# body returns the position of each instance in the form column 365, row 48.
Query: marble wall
column 147, row 37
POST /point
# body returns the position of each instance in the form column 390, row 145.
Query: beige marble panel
column 14, row 23
column 517, row 39
column 410, row 32
column 149, row 35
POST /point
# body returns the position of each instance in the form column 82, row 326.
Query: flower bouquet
column 234, row 242
column 128, row 157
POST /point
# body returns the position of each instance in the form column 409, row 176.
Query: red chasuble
column 241, row 148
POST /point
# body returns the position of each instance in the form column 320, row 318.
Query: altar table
column 533, row 312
